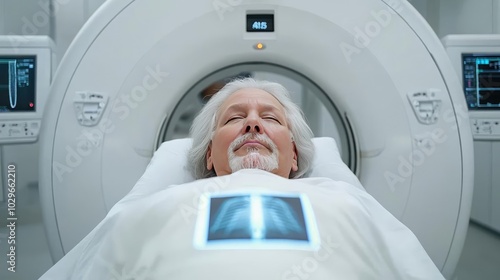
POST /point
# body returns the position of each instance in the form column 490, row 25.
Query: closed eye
column 233, row 119
column 272, row 119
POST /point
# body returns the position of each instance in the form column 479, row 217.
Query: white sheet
column 149, row 235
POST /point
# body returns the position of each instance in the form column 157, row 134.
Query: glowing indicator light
column 31, row 104
column 259, row 46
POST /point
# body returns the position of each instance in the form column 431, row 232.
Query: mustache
column 262, row 138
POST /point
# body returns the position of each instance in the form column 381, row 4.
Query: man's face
column 250, row 116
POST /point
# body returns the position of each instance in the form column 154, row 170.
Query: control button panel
column 19, row 131
column 485, row 127
column 89, row 107
column 426, row 105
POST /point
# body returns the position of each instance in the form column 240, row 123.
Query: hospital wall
column 62, row 19
column 27, row 17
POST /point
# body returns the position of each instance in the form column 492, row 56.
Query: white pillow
column 328, row 163
column 169, row 165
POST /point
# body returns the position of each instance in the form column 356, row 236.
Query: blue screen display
column 17, row 83
column 481, row 80
column 260, row 23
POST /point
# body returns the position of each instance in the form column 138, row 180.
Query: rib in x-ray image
column 255, row 220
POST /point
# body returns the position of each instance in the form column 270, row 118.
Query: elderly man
column 251, row 124
column 250, row 221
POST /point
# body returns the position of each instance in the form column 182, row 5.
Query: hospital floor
column 480, row 259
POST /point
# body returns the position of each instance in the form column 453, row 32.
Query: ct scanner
column 375, row 65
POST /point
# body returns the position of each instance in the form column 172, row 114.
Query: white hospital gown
column 151, row 237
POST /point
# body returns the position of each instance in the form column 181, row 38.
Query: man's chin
column 253, row 160
column 243, row 152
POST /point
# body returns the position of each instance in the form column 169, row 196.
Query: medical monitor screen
column 17, row 83
column 260, row 23
column 481, row 77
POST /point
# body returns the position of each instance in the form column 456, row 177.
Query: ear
column 295, row 158
column 210, row 164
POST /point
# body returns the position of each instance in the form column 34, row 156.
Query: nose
column 253, row 125
column 253, row 128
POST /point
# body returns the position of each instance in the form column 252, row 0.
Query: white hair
column 204, row 126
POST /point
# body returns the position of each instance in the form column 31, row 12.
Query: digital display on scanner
column 260, row 23
column 481, row 80
column 256, row 221
column 17, row 83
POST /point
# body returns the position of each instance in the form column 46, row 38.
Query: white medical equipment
column 376, row 66
column 25, row 73
column 476, row 59
column 26, row 64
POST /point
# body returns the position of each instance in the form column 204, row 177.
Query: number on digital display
column 259, row 25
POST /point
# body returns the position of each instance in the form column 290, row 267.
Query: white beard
column 253, row 160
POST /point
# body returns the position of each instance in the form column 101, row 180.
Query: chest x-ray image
column 256, row 220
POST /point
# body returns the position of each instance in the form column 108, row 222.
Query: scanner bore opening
column 321, row 114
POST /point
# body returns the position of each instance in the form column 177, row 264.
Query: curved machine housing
column 376, row 62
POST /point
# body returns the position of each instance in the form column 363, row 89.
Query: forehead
column 250, row 97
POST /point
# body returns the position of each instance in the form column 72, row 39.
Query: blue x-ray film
column 256, row 220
